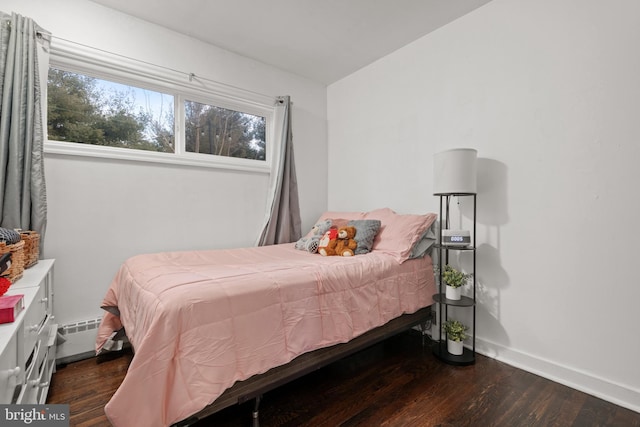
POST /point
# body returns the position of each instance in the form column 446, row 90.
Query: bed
column 217, row 327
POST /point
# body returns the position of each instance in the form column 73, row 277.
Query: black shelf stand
column 439, row 348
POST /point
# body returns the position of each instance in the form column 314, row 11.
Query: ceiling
column 323, row 40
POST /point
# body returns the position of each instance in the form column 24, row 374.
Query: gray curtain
column 282, row 223
column 23, row 201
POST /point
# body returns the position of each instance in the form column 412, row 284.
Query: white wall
column 548, row 93
column 103, row 211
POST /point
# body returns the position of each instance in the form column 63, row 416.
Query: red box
column 10, row 307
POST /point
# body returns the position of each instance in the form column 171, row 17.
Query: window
column 100, row 104
column 88, row 110
column 223, row 132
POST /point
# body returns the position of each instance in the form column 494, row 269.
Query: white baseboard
column 618, row 394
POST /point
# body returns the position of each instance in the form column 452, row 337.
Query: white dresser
column 28, row 345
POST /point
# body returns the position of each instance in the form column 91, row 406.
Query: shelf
column 462, row 302
column 439, row 350
column 465, row 303
column 454, row 194
column 455, row 248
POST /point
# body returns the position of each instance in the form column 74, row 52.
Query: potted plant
column 454, row 279
column 455, row 331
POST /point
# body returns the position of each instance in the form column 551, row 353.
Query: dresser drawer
column 44, row 380
column 33, row 323
column 33, row 376
column 10, row 371
column 37, row 386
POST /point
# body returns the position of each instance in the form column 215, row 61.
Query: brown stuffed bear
column 346, row 245
column 328, row 242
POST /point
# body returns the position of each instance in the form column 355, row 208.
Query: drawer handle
column 33, row 328
column 45, row 299
column 13, row 372
column 36, row 383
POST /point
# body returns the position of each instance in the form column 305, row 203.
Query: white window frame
column 71, row 57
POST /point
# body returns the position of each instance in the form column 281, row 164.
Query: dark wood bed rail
column 257, row 385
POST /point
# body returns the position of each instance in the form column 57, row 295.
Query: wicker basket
column 31, row 247
column 14, row 272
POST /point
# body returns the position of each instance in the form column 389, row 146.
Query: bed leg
column 424, row 327
column 256, row 413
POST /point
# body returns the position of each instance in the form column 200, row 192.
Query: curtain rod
column 41, row 33
column 191, row 76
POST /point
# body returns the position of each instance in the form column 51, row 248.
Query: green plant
column 455, row 330
column 453, row 277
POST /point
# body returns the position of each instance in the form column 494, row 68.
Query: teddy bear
column 346, row 244
column 338, row 242
column 328, row 242
column 310, row 244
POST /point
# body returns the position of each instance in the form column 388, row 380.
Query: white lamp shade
column 455, row 171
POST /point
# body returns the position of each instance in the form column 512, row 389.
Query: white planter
column 453, row 293
column 455, row 347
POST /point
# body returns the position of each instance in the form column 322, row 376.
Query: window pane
column 88, row 110
column 219, row 131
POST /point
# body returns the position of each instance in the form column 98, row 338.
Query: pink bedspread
column 200, row 321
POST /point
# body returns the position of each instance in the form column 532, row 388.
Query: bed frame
column 254, row 387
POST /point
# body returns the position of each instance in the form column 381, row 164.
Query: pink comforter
column 200, row 321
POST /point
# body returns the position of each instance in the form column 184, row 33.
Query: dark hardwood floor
column 395, row 383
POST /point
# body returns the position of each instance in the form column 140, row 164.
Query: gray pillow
column 366, row 230
column 423, row 246
column 111, row 309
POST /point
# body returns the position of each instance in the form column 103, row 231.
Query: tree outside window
column 87, row 110
column 223, row 132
